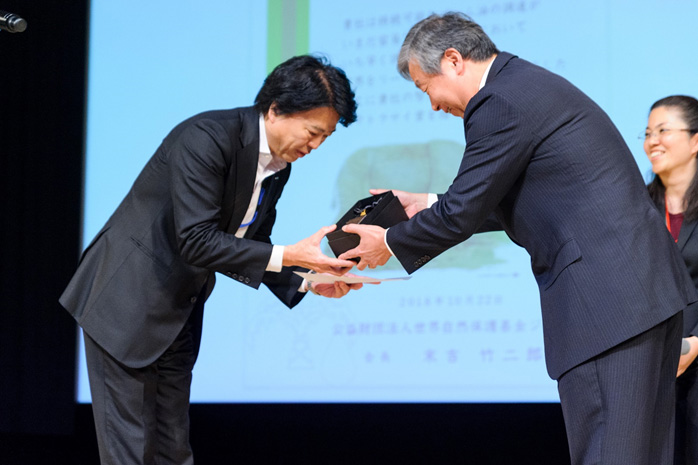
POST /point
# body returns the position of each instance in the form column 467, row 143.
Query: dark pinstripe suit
column 141, row 284
column 550, row 166
column 687, row 383
column 688, row 245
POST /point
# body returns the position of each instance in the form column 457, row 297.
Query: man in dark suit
column 204, row 203
column 545, row 164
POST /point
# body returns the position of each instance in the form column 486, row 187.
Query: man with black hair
column 204, row 203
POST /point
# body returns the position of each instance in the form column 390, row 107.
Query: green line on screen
column 288, row 31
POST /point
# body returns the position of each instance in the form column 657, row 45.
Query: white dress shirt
column 267, row 165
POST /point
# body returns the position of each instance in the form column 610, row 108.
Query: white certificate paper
column 329, row 279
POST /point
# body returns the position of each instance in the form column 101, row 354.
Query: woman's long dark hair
column 688, row 107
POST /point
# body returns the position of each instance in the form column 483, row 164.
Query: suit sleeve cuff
column 276, row 260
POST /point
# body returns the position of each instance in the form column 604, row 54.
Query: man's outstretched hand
column 411, row 202
column 306, row 253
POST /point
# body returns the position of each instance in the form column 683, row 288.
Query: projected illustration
column 426, row 167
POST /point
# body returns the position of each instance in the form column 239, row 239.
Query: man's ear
column 453, row 59
column 271, row 113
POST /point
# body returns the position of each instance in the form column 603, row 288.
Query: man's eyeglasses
column 659, row 133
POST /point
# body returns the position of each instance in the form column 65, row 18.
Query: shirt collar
column 484, row 76
column 266, row 159
column 263, row 143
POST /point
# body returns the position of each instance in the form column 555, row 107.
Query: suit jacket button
column 234, row 276
column 193, row 300
column 247, row 280
column 241, row 278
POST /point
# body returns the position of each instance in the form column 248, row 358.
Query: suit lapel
column 241, row 176
column 273, row 186
column 685, row 233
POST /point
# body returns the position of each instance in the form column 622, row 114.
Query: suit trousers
column 687, row 417
column 619, row 407
column 142, row 414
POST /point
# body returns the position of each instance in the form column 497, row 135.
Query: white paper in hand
column 324, row 278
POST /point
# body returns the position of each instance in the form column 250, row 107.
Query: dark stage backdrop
column 42, row 89
column 42, row 101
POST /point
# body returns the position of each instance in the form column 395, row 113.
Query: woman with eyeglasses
column 671, row 144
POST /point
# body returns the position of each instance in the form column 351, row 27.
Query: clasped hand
column 335, row 290
column 307, row 254
column 371, row 250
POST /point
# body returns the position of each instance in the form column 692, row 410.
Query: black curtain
column 42, row 96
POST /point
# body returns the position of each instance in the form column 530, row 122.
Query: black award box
column 382, row 210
